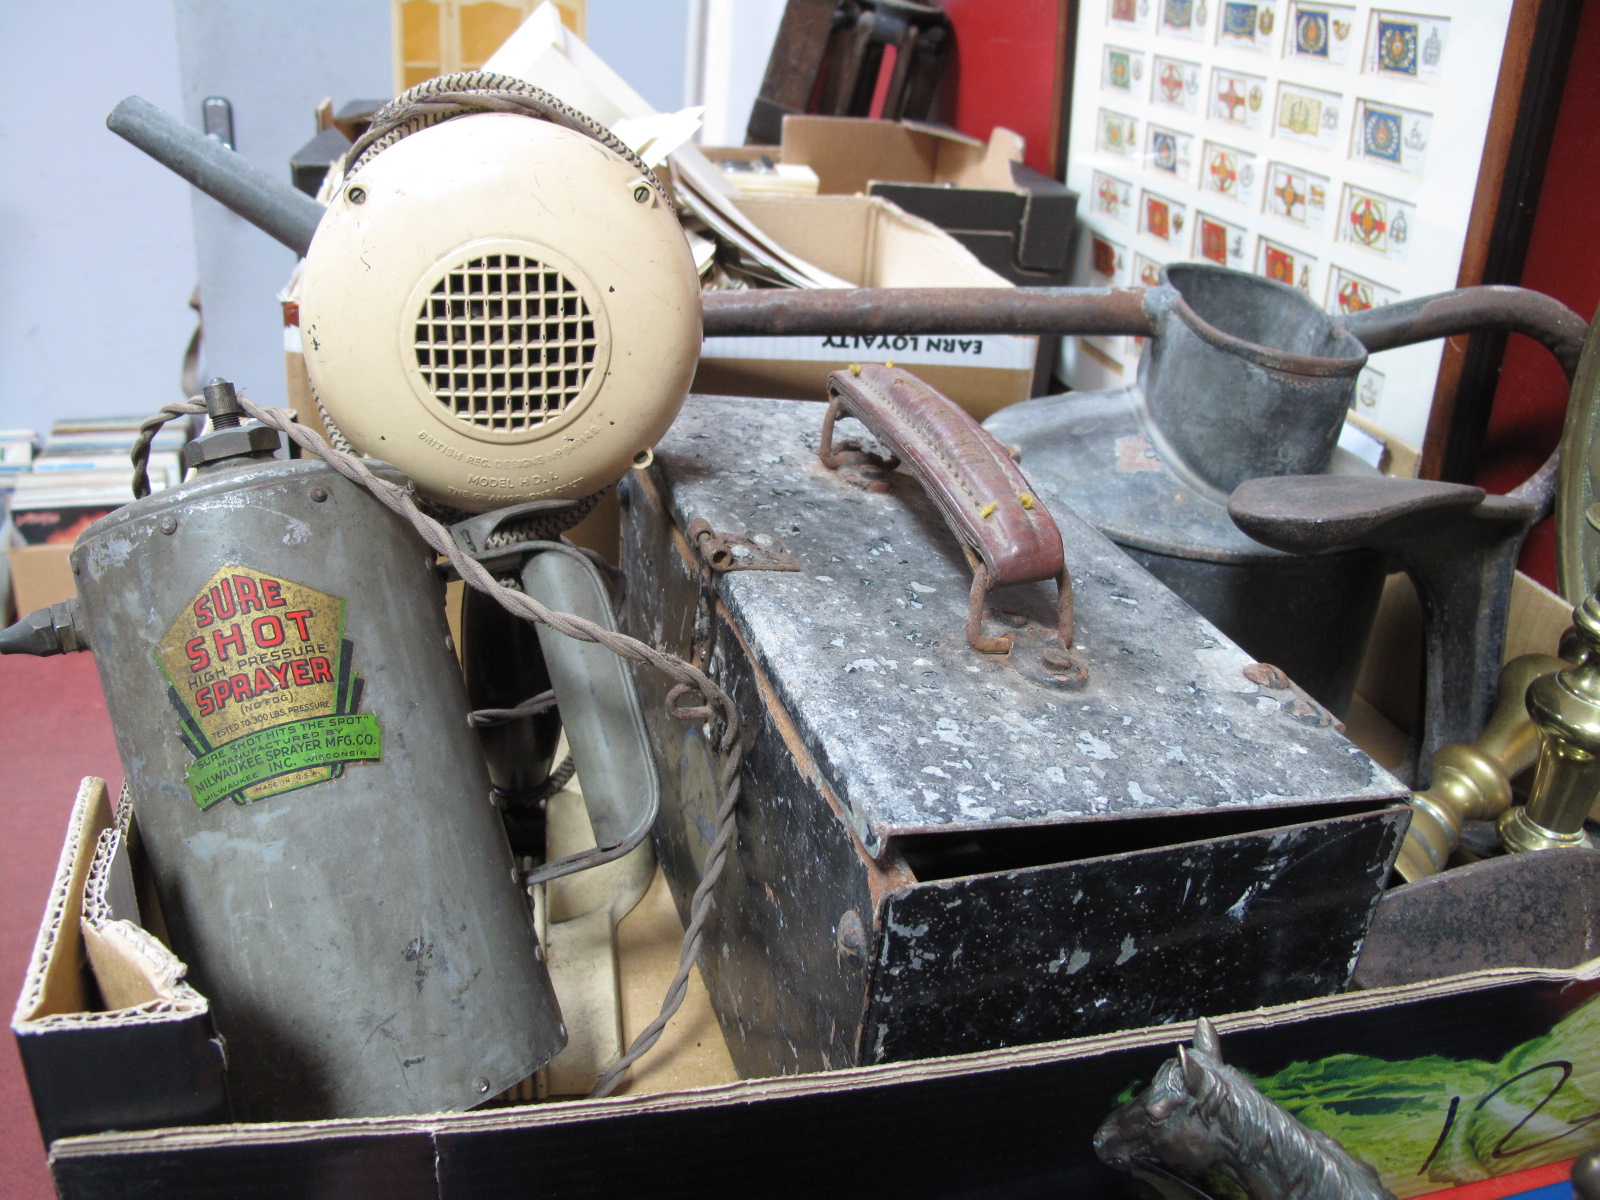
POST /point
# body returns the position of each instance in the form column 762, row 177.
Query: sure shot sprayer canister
column 315, row 808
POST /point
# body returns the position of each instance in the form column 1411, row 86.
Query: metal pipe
column 833, row 311
column 1486, row 309
column 291, row 217
column 1112, row 311
column 271, row 205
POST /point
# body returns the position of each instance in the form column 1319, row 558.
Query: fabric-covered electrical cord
column 148, row 428
column 466, row 92
column 560, row 776
column 716, row 707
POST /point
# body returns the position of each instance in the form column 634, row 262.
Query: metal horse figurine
column 1200, row 1115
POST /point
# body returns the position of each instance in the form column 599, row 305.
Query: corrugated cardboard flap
column 139, row 1054
column 139, row 977
column 54, row 983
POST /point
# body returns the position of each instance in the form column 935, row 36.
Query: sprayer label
column 260, row 673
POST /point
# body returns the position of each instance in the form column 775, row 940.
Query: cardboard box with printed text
column 870, row 243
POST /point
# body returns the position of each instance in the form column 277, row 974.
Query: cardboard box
column 156, row 1061
column 1489, row 1074
column 1439, row 1083
column 1436, row 1084
column 40, row 575
column 848, row 153
column 870, row 243
column 5, row 563
column 111, row 1037
column 1016, row 220
column 1392, row 1073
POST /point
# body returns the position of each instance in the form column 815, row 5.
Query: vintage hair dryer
column 500, row 302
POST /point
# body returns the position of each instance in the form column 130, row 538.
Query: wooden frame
column 1527, row 99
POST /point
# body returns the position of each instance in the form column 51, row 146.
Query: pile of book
column 81, row 473
column 16, row 453
column 16, row 457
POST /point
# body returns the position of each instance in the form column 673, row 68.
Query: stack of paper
column 16, row 454
column 706, row 192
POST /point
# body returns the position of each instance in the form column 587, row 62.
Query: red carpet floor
column 53, row 731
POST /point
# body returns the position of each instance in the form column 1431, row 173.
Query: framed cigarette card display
column 1333, row 147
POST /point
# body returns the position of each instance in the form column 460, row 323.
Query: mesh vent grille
column 505, row 342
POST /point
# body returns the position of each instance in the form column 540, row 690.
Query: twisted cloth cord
column 467, row 92
column 562, row 773
column 716, row 708
column 148, row 428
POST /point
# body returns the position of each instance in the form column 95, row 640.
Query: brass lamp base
column 1519, row 832
column 1473, row 783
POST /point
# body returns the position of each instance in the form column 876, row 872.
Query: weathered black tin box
column 941, row 850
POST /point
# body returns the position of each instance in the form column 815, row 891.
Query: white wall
column 274, row 61
column 96, row 247
column 643, row 41
column 738, row 42
column 98, row 243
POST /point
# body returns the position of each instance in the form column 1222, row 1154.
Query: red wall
column 1563, row 261
column 1004, row 71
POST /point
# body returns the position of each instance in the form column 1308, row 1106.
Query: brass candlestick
column 1473, row 783
column 1566, row 708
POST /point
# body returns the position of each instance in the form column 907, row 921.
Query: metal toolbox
column 942, row 850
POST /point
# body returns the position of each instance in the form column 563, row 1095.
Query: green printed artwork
column 1432, row 1122
column 283, row 750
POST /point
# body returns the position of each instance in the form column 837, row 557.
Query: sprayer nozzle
column 44, row 632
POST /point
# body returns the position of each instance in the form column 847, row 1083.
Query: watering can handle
column 1494, row 308
column 1484, row 309
column 1007, row 534
column 1562, row 332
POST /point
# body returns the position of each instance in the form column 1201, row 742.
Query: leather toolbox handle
column 1005, row 531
